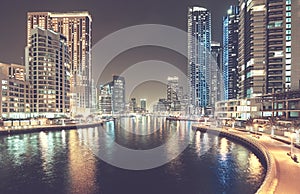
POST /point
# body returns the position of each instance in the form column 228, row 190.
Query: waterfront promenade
column 287, row 171
column 285, row 179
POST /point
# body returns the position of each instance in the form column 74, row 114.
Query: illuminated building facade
column 199, row 47
column 48, row 67
column 230, row 52
column 14, row 92
column 76, row 27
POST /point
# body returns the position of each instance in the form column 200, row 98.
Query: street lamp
column 272, row 130
column 223, row 122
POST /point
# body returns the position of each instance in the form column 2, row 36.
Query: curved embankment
column 47, row 128
column 270, row 181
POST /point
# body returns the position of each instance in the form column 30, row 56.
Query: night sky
column 108, row 16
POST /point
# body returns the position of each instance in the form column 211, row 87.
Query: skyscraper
column 48, row 67
column 143, row 104
column 76, row 27
column 230, row 52
column 282, row 53
column 105, row 98
column 252, row 45
column 118, row 94
column 217, row 86
column 133, row 105
column 268, row 45
column 174, row 93
column 199, row 47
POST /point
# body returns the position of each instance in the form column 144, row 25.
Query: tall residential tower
column 76, row 27
column 48, row 67
column 230, row 52
column 269, row 59
column 199, row 47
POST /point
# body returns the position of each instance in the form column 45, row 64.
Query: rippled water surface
column 62, row 162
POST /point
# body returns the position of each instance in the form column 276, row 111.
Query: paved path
column 288, row 171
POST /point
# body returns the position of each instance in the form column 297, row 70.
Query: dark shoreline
column 47, row 128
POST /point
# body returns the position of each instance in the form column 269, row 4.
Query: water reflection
column 82, row 165
column 61, row 162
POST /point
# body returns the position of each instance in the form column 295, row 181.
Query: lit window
column 288, row 37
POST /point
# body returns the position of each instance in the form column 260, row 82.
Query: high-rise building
column 268, row 46
column 14, row 92
column 143, row 104
column 133, row 105
column 252, row 46
column 217, row 86
column 48, row 73
column 174, row 93
column 105, row 98
column 199, row 47
column 118, row 94
column 76, row 27
column 282, row 52
column 230, row 53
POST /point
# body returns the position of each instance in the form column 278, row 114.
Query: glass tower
column 230, row 52
column 199, row 46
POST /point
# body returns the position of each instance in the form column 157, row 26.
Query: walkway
column 288, row 171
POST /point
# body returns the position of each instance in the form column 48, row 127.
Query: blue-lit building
column 199, row 47
column 230, row 52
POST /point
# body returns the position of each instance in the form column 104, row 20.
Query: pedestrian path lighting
column 298, row 136
column 291, row 153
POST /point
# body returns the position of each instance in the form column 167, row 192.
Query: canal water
column 65, row 162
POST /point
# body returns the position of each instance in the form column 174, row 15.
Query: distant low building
column 162, row 105
column 283, row 105
column 239, row 109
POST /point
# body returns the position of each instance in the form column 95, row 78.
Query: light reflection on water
column 61, row 162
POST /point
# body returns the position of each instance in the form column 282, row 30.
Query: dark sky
column 108, row 16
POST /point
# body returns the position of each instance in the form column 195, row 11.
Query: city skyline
column 178, row 97
column 151, row 12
